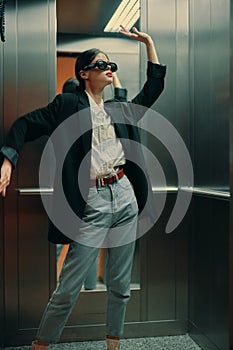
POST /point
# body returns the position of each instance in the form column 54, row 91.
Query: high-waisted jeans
column 110, row 220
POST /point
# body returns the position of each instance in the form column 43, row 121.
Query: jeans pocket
column 124, row 182
column 93, row 194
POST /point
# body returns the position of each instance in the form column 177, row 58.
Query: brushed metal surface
column 34, row 191
column 210, row 116
column 29, row 66
column 192, row 38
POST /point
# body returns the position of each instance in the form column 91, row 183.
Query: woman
column 120, row 94
column 111, row 204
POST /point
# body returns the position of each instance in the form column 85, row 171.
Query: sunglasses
column 102, row 65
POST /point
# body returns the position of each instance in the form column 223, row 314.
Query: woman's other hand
column 5, row 178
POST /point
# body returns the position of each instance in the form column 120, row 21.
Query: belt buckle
column 112, row 177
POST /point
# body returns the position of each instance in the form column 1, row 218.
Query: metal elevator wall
column 166, row 269
column 193, row 40
column 160, row 306
column 210, row 98
column 27, row 81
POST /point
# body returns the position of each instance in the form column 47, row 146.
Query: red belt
column 103, row 181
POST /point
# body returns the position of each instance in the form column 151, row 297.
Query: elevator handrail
column 34, row 191
column 168, row 189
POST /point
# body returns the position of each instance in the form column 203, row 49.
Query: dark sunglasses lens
column 113, row 66
column 101, row 65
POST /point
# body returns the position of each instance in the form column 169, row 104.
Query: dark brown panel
column 77, row 16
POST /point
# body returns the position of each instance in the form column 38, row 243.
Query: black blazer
column 46, row 120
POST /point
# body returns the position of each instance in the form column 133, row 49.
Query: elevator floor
column 181, row 342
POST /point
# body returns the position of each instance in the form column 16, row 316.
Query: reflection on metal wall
column 160, row 304
column 210, row 83
column 166, row 255
column 168, row 25
column 191, row 38
column 29, row 82
column 210, row 115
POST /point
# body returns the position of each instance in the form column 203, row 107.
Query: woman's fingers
column 136, row 35
column 5, row 178
column 4, row 182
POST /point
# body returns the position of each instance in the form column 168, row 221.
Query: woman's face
column 96, row 76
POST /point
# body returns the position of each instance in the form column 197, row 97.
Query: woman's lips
column 109, row 74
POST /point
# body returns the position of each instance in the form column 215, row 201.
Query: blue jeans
column 110, row 220
column 91, row 279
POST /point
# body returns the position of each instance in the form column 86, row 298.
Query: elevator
column 183, row 280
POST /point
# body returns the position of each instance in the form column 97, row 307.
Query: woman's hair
column 70, row 85
column 83, row 60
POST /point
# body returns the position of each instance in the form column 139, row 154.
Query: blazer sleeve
column 120, row 94
column 29, row 127
column 153, row 86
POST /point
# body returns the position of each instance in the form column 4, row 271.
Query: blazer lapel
column 84, row 120
column 121, row 128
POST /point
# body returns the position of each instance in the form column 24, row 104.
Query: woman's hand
column 136, row 35
column 144, row 38
column 116, row 81
column 5, row 178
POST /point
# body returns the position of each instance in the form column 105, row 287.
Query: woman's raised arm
column 144, row 38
